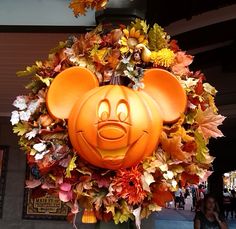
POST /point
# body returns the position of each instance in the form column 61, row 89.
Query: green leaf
column 71, row 166
column 35, row 85
column 202, row 154
column 157, row 38
column 139, row 24
column 190, row 117
column 20, row 129
column 46, row 80
column 123, row 215
column 30, row 70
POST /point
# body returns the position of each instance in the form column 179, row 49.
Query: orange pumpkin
column 114, row 126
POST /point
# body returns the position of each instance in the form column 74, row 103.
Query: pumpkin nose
column 111, row 132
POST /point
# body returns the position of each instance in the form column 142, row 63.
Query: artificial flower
column 164, row 57
column 20, row 102
column 130, row 39
column 40, row 147
column 25, row 115
column 65, row 193
column 127, row 184
column 15, row 117
column 32, row 133
column 33, row 105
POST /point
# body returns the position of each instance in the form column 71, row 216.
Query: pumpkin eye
column 103, row 110
column 122, row 111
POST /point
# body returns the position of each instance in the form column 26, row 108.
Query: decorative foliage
column 80, row 7
column 182, row 156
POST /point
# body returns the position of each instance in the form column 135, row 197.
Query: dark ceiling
column 166, row 12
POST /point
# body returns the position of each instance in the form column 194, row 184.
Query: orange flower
column 127, row 184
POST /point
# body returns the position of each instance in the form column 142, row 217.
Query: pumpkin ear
column 168, row 93
column 66, row 88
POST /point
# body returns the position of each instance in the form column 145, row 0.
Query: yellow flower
column 130, row 39
column 165, row 57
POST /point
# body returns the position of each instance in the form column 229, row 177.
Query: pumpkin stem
column 115, row 79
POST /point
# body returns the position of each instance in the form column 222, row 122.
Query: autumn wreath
column 182, row 156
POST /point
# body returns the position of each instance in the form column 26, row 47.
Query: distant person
column 233, row 203
column 227, row 205
column 194, row 197
column 199, row 197
column 208, row 217
column 178, row 194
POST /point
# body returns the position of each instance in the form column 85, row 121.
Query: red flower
column 127, row 184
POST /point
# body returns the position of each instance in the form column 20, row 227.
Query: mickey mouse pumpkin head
column 114, row 126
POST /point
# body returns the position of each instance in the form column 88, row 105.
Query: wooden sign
column 45, row 206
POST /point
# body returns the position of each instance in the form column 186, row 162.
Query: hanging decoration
column 115, row 122
column 80, row 7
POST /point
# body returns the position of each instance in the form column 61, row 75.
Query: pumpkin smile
column 113, row 157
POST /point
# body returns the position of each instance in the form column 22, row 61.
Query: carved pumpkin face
column 114, row 126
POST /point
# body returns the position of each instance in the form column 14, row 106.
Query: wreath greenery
column 181, row 158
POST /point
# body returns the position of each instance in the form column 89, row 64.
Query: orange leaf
column 113, row 58
column 162, row 197
column 80, row 7
column 187, row 178
column 208, row 123
column 173, row 146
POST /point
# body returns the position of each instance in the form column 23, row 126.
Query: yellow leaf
column 157, row 38
column 139, row 24
column 111, row 208
column 154, row 207
column 202, row 154
column 147, row 179
column 20, row 129
column 71, row 166
column 182, row 132
column 173, row 147
column 210, row 89
column 46, row 80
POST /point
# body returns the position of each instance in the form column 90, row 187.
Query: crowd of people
column 208, row 214
column 229, row 203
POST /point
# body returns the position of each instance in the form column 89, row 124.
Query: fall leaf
column 46, row 80
column 71, row 166
column 139, row 24
column 189, row 179
column 30, row 70
column 210, row 89
column 80, row 7
column 208, row 123
column 173, row 147
column 147, row 179
column 99, row 55
column 20, row 128
column 113, row 58
column 157, row 38
column 202, row 154
column 162, row 197
column 124, row 214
